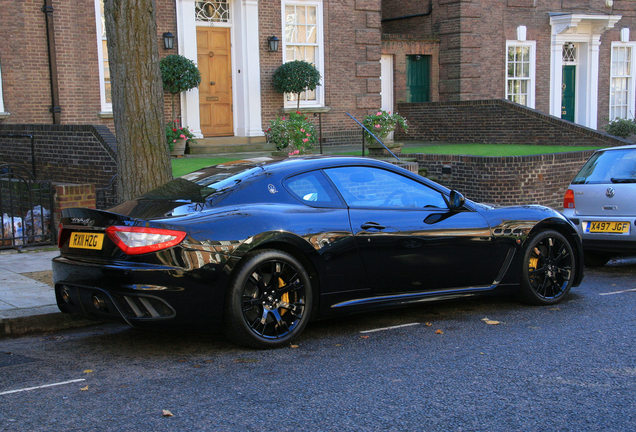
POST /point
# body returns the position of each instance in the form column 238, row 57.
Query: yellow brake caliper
column 285, row 297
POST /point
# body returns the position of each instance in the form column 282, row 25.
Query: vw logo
column 610, row 192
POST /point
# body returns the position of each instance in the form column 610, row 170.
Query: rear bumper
column 139, row 294
column 610, row 246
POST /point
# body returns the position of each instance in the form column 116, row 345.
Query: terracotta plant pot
column 179, row 148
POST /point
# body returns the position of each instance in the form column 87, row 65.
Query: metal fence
column 26, row 209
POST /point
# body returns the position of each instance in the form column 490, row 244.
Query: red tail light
column 568, row 199
column 139, row 240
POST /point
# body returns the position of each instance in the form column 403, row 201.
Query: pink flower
column 305, row 139
column 174, row 140
column 308, row 134
column 378, row 113
column 302, row 130
column 297, row 112
column 295, row 152
column 174, row 129
column 182, row 136
column 378, row 126
column 283, row 118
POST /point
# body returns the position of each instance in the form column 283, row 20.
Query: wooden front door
column 215, row 91
column 568, row 96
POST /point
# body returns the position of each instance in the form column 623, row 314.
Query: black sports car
column 260, row 247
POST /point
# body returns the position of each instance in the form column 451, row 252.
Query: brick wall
column 352, row 38
column 494, row 121
column 25, row 66
column 73, row 195
column 65, row 153
column 515, row 180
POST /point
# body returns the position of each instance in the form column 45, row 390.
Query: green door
column 418, row 78
column 568, row 93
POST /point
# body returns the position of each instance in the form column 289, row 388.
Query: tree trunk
column 142, row 151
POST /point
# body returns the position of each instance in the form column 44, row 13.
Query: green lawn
column 489, row 149
column 184, row 166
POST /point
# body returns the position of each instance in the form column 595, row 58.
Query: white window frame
column 320, row 55
column 107, row 107
column 631, row 82
column 533, row 63
column 1, row 98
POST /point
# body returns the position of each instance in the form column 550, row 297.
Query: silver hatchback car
column 601, row 202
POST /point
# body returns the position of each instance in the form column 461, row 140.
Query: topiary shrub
column 178, row 74
column 621, row 127
column 296, row 77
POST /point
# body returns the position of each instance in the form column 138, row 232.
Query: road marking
column 42, row 386
column 619, row 292
column 389, row 328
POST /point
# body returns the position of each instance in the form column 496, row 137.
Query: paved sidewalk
column 27, row 304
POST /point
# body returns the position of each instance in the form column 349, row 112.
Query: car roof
column 624, row 147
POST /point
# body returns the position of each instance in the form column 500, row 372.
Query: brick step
column 229, row 145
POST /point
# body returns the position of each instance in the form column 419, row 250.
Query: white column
column 248, row 71
column 187, row 36
column 556, row 76
column 595, row 44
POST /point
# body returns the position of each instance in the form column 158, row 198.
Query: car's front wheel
column 270, row 300
column 548, row 268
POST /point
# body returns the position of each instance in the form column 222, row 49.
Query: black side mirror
column 457, row 200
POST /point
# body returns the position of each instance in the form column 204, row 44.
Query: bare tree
column 137, row 94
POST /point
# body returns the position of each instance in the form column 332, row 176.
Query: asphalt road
column 566, row 368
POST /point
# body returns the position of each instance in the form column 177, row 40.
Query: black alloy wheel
column 270, row 300
column 548, row 268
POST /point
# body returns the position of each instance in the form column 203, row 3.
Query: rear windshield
column 201, row 185
column 612, row 166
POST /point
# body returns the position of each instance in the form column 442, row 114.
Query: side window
column 312, row 189
column 375, row 187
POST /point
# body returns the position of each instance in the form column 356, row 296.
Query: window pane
column 377, row 188
column 312, row 189
column 301, row 15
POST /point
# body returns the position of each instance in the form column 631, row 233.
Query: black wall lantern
column 168, row 40
column 273, row 42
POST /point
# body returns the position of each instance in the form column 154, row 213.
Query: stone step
column 229, row 145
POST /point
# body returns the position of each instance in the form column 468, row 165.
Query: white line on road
column 42, row 386
column 389, row 328
column 619, row 292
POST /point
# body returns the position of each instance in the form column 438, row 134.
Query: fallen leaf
column 481, row 353
column 166, row 413
column 338, row 344
column 293, row 346
column 87, row 371
column 428, row 324
column 554, row 309
column 439, row 331
column 84, row 388
column 364, row 337
column 490, row 322
column 196, row 366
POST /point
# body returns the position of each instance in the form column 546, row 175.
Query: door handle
column 212, row 82
column 372, row 225
column 212, row 98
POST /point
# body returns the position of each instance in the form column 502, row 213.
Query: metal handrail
column 374, row 137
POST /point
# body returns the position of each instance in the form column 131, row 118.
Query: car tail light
column 568, row 199
column 60, row 227
column 139, row 240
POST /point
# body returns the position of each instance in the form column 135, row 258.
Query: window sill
column 4, row 115
column 316, row 109
column 105, row 115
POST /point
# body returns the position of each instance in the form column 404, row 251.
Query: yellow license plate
column 83, row 240
column 608, row 227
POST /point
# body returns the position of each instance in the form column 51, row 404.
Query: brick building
column 54, row 61
column 569, row 58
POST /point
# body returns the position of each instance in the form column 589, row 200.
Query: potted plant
column 292, row 134
column 382, row 123
column 178, row 74
column 177, row 138
column 296, row 77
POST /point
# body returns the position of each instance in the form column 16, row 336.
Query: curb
column 41, row 320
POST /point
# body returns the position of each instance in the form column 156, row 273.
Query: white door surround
column 246, row 69
column 585, row 31
column 386, row 78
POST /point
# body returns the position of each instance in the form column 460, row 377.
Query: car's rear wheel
column 548, row 268
column 270, row 300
